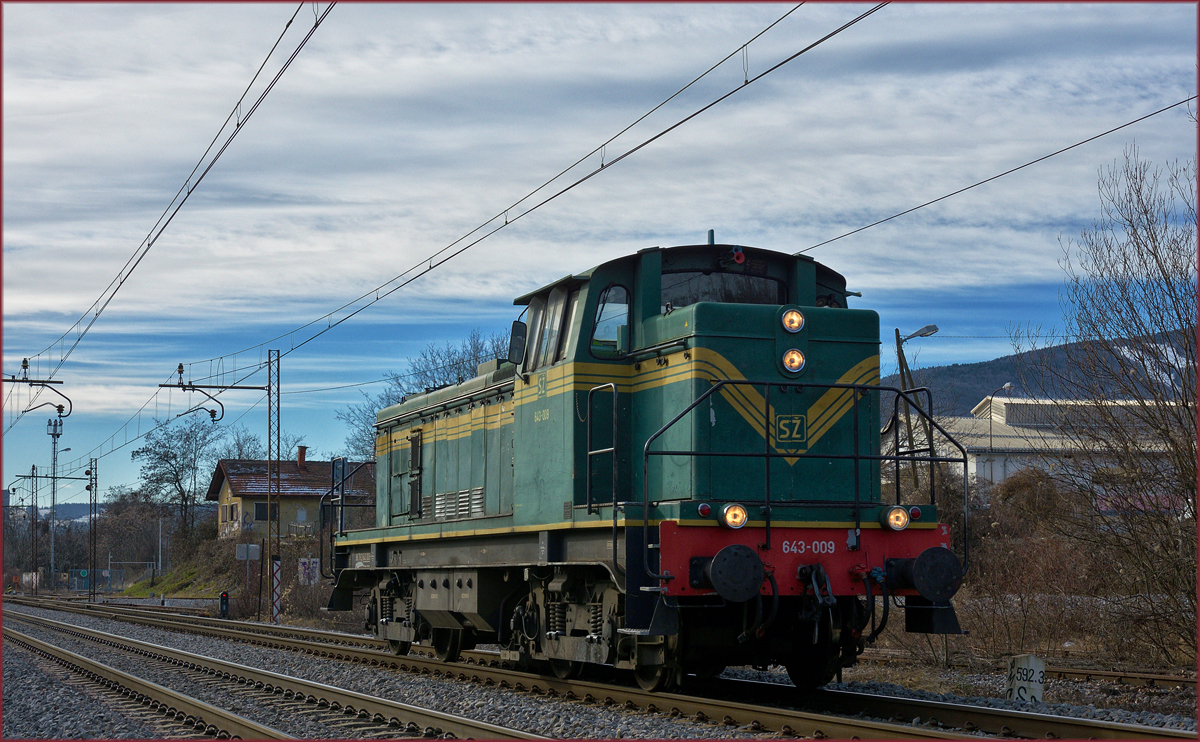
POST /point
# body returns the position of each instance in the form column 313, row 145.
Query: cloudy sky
column 399, row 129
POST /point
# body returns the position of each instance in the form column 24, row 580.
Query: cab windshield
column 681, row 288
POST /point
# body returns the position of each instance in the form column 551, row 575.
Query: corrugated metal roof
column 248, row 478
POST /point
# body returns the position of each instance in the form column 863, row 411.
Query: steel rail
column 1153, row 679
column 1003, row 722
column 159, row 614
column 434, row 723
column 799, row 723
column 1122, row 678
column 214, row 721
column 483, row 667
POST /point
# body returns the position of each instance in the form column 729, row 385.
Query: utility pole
column 907, row 383
column 33, row 493
column 273, row 463
column 93, row 529
column 54, row 430
column 273, row 439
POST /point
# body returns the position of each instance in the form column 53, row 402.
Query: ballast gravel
column 541, row 715
column 993, row 683
column 39, row 704
column 29, row 692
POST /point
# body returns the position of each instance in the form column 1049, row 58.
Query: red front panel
column 792, row 548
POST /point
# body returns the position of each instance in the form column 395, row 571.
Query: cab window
column 612, row 314
column 681, row 288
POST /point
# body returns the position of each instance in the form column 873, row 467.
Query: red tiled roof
column 249, row 479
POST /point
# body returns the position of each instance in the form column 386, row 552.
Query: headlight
column 734, row 516
column 793, row 321
column 895, row 518
column 793, row 360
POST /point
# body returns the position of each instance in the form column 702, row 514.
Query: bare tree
column 1122, row 392
column 129, row 525
column 240, row 443
column 435, row 367
column 175, row 464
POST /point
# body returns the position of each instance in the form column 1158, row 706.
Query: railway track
column 176, row 714
column 756, row 706
column 343, row 712
column 874, row 655
column 1149, row 679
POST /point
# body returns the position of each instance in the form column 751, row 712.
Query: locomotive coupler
column 822, row 588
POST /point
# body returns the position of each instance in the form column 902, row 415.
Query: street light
column 1008, row 387
column 924, row 332
column 906, row 382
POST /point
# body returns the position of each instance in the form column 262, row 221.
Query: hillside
column 960, row 386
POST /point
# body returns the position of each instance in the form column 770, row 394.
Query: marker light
column 895, row 518
column 734, row 516
column 793, row 360
column 704, row 509
column 793, row 321
column 915, row 512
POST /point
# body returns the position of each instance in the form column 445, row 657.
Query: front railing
column 911, row 455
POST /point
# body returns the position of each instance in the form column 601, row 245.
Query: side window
column 612, row 314
column 551, row 328
column 537, row 315
column 568, row 331
column 414, row 475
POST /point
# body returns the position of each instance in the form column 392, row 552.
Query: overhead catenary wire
column 999, row 175
column 85, row 322
column 377, row 291
column 436, row 259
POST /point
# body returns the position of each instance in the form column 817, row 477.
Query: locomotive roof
column 524, row 299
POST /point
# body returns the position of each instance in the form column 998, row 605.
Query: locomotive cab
column 678, row 468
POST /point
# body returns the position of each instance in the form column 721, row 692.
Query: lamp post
column 1008, row 387
column 906, row 383
column 54, row 430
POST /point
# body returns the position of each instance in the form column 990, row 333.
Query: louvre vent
column 461, row 504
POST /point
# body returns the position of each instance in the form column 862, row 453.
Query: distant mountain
column 960, row 386
column 68, row 510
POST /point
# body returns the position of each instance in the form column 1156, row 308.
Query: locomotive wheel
column 447, row 644
column 812, row 672
column 565, row 669
column 815, row 665
column 653, row 678
column 399, row 648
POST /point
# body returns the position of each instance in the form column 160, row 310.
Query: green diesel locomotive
column 677, row 468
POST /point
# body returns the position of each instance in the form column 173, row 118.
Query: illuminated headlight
column 793, row 360
column 734, row 516
column 793, row 321
column 895, row 518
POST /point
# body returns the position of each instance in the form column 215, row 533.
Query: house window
column 260, row 511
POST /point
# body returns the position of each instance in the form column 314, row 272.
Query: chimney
column 300, row 451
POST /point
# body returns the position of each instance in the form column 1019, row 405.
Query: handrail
column 321, row 504
column 486, row 391
column 856, row 456
column 593, row 509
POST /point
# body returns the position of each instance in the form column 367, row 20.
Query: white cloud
column 402, row 127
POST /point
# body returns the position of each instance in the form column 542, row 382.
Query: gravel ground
column 1173, row 708
column 26, row 692
column 31, row 689
column 533, row 713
